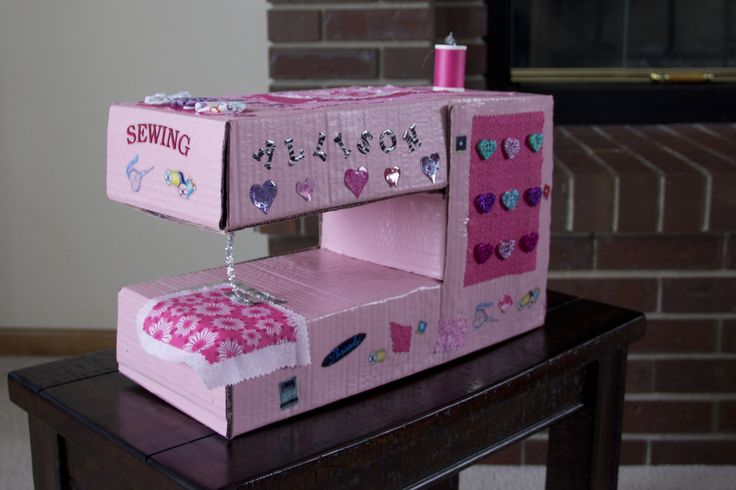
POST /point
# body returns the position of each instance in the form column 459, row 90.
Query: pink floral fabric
column 210, row 324
column 224, row 341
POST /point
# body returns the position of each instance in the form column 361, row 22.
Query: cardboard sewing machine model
column 434, row 240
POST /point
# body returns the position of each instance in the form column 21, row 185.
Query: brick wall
column 643, row 217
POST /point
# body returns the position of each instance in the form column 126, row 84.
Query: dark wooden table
column 91, row 427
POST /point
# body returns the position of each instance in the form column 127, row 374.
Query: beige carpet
column 15, row 458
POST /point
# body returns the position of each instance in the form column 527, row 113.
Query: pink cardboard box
column 433, row 249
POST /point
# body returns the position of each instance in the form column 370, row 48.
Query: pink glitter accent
column 400, row 337
column 451, row 334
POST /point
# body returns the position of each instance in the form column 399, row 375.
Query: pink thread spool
column 449, row 66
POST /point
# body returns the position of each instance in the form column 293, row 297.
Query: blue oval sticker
column 343, row 349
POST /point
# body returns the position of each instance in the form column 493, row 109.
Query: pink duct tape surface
column 222, row 341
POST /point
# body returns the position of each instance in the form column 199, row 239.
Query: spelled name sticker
column 288, row 393
column 343, row 350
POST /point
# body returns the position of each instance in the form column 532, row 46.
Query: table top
column 372, row 436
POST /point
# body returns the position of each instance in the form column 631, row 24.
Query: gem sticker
column 288, row 395
column 486, row 148
column 400, row 337
column 481, row 316
column 343, row 349
column 186, row 186
column 430, row 166
column 482, row 252
column 529, row 242
column 135, row 176
column 505, row 303
column 511, row 147
column 533, row 195
column 262, row 196
column 461, row 143
column 505, row 249
column 305, row 188
column 377, row 356
column 509, row 199
column 535, row 141
column 356, row 180
column 484, row 202
column 422, row 326
column 392, row 175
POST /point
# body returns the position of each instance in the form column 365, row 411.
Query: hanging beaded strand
column 236, row 294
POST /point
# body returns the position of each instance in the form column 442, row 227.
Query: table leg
column 583, row 449
column 45, row 454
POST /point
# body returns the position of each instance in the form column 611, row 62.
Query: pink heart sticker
column 504, row 249
column 511, row 147
column 305, row 188
column 392, row 175
column 356, row 180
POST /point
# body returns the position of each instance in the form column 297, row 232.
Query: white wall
column 65, row 249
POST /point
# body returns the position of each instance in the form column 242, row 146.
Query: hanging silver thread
column 237, row 293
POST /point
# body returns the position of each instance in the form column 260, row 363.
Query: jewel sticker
column 482, row 252
column 461, row 143
column 505, row 249
column 392, row 175
column 400, row 337
column 529, row 242
column 430, row 166
column 486, row 148
column 505, row 303
column 529, row 299
column 356, row 180
column 511, row 147
column 535, row 141
column 484, row 202
column 305, row 188
column 262, row 196
column 377, row 356
column 422, row 326
column 509, row 199
column 533, row 195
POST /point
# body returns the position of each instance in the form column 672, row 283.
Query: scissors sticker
column 135, row 176
column 481, row 315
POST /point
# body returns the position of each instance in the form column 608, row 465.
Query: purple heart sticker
column 262, row 196
column 483, row 252
column 529, row 242
column 511, row 147
column 305, row 188
column 533, row 195
column 430, row 166
column 504, row 249
column 484, row 202
column 356, row 180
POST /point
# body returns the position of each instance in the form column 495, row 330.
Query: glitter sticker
column 364, row 146
column 511, row 147
column 400, row 337
column 262, row 196
column 356, row 180
column 267, row 151
column 288, row 395
column 343, row 349
column 305, row 188
column 392, row 175
column 382, row 143
column 451, row 334
column 529, row 242
column 533, row 195
column 482, row 252
column 135, row 176
column 318, row 152
column 486, row 148
column 345, row 150
column 185, row 185
column 411, row 138
column 509, row 199
column 529, row 299
column 535, row 141
column 461, row 143
column 484, row 202
column 481, row 316
column 430, row 166
column 505, row 249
